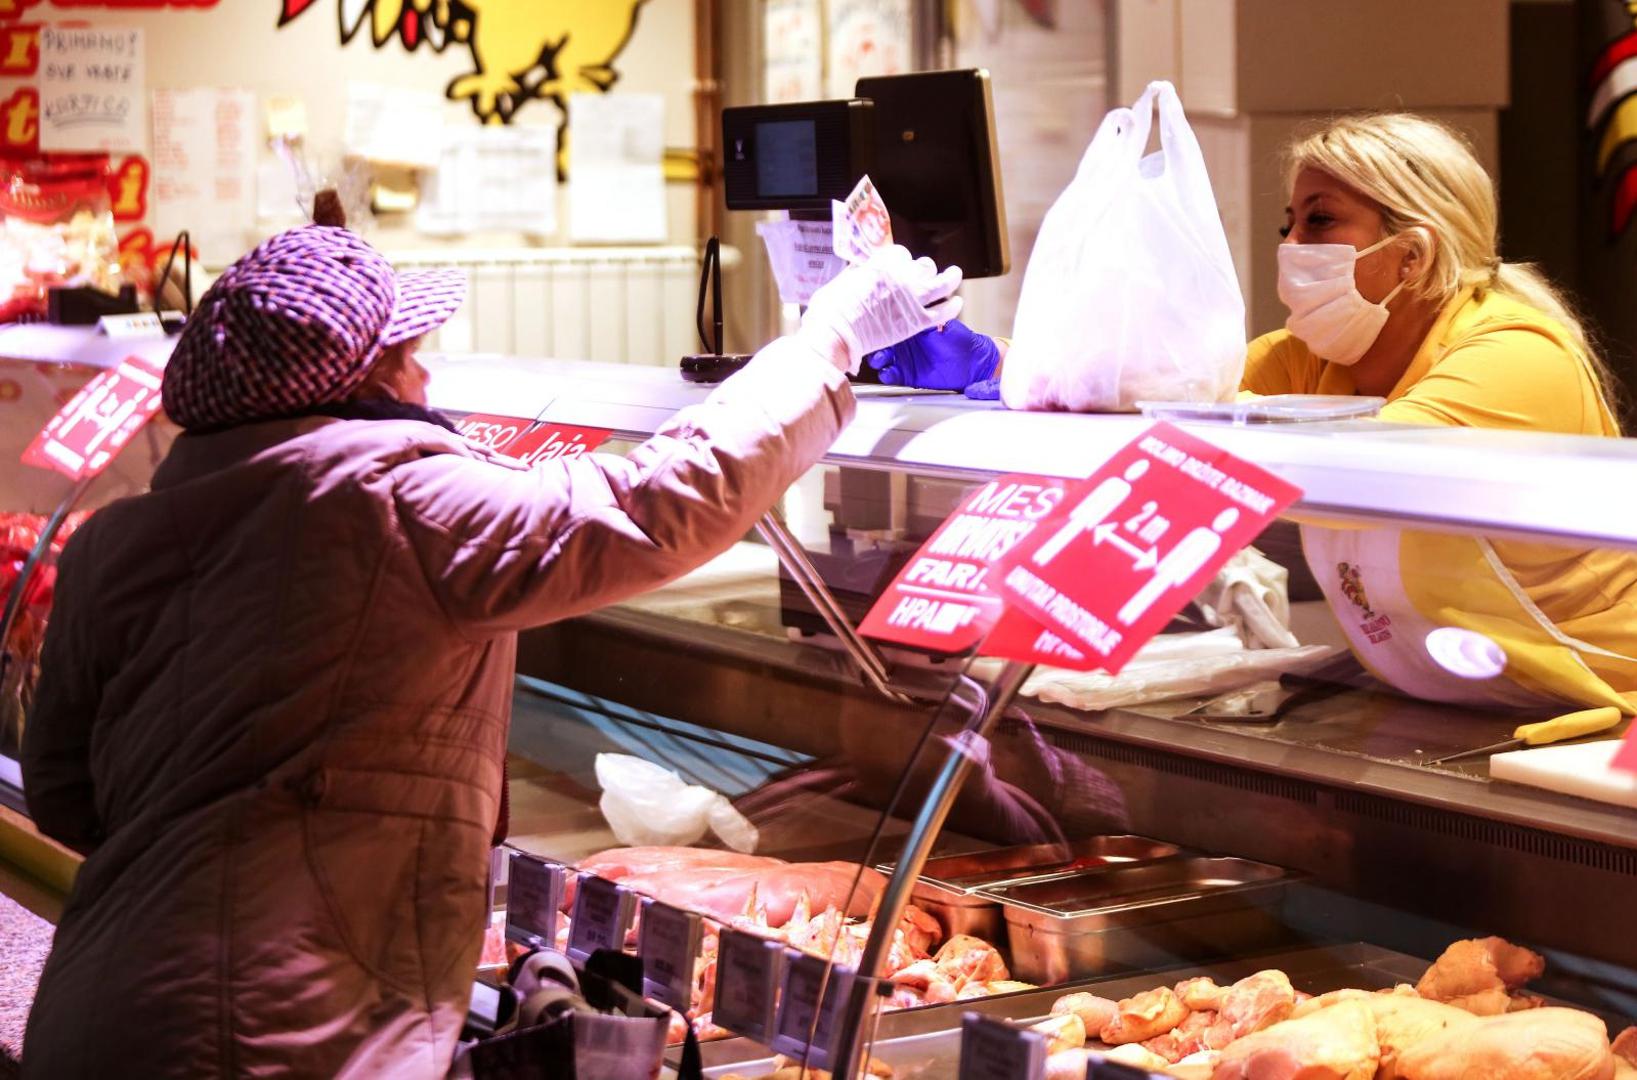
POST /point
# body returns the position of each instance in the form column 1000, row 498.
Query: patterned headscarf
column 298, row 322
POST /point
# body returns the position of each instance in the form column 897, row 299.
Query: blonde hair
column 1422, row 173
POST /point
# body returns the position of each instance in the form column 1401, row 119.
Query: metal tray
column 1148, row 915
column 924, row 1043
column 948, row 886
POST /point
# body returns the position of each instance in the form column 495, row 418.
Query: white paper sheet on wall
column 394, row 126
column 616, row 175
column 793, row 51
column 204, row 168
column 868, row 37
column 93, row 88
column 492, row 178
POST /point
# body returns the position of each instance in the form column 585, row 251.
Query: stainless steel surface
column 948, row 887
column 923, row 1044
column 1094, row 922
column 857, row 1026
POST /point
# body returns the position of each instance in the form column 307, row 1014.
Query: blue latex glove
column 952, row 358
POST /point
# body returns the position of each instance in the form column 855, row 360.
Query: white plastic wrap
column 647, row 804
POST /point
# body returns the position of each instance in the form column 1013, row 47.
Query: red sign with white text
column 1625, row 758
column 941, row 600
column 1134, row 542
column 530, row 442
column 86, row 434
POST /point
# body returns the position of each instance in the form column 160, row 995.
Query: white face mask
column 1327, row 312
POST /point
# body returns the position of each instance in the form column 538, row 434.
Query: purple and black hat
column 298, row 322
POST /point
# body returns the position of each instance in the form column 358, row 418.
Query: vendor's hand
column 879, row 303
column 952, row 357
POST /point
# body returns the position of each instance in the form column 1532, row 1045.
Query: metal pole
column 807, row 578
column 852, row 1042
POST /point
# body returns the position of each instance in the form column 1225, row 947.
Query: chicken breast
column 1095, row 1012
column 1540, row 1044
column 1479, row 974
column 1144, row 1016
column 1337, row 1043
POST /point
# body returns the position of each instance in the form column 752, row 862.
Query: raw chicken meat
column 1338, row 1043
column 1256, row 1002
column 1066, row 1065
column 1132, row 1054
column 1540, row 1044
column 1625, row 1046
column 1201, row 993
column 964, row 958
column 1144, row 1016
column 1064, row 1032
column 1479, row 974
column 1095, row 1012
column 1404, row 1020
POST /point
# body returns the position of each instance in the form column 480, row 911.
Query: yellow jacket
column 1493, row 362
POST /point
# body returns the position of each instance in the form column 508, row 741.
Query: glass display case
column 1234, row 801
column 945, row 835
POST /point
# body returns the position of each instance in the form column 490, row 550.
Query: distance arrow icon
column 1108, row 532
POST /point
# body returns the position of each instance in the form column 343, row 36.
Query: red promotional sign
column 1625, row 758
column 98, row 420
column 941, row 599
column 1130, row 545
column 528, row 441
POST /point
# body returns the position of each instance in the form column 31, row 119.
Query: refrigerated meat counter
column 736, row 680
column 1316, row 834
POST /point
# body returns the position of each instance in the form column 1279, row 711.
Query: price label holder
column 602, row 917
column 143, row 324
column 996, row 1050
column 749, row 970
column 668, row 943
column 810, row 1007
column 534, row 894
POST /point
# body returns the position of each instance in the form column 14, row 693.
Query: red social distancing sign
column 530, row 442
column 88, row 432
column 942, row 600
column 1133, row 543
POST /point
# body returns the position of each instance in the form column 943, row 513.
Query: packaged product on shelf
column 56, row 228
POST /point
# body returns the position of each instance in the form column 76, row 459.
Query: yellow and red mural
column 521, row 50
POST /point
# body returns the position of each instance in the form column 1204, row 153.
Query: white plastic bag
column 1130, row 293
column 648, row 804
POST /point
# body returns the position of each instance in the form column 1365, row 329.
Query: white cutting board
column 1577, row 769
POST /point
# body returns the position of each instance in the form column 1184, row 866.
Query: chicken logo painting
column 522, row 50
column 1611, row 116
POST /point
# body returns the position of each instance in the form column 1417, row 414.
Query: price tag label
column 997, row 1050
column 810, row 1007
column 602, row 917
column 86, row 434
column 668, row 943
column 534, row 893
column 748, row 971
column 123, row 327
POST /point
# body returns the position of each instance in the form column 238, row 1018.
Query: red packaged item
column 19, row 533
column 56, row 228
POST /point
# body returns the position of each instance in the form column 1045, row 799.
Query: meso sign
column 529, row 442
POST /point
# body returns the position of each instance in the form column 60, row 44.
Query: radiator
column 621, row 305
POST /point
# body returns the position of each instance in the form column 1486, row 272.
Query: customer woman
column 1390, row 269
column 275, row 692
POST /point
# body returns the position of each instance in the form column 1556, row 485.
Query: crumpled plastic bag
column 647, row 804
column 1251, row 594
column 1175, row 666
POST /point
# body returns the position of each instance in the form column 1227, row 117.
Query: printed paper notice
column 616, row 179
column 204, row 168
column 867, row 38
column 394, row 126
column 92, row 89
column 792, row 51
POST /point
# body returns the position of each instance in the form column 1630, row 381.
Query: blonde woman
column 1395, row 289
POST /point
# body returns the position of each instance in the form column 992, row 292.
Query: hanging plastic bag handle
column 1184, row 164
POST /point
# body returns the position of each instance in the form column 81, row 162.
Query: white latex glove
column 878, row 303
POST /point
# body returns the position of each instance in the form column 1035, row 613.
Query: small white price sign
column 534, row 892
column 668, row 943
column 810, row 1006
column 602, row 916
column 748, row 970
column 996, row 1050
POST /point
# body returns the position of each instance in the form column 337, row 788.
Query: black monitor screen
column 786, row 158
